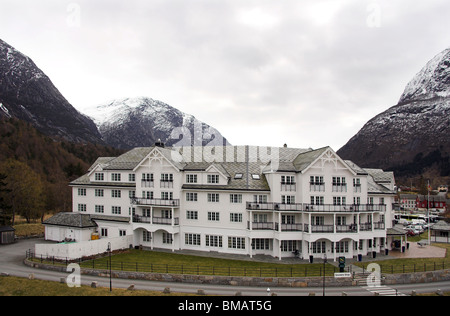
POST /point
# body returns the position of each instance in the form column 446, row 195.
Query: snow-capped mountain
column 140, row 122
column 28, row 94
column 413, row 135
column 432, row 81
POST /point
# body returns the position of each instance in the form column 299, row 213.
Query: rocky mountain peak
column 28, row 94
column 135, row 122
column 432, row 81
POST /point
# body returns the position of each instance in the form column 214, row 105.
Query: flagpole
column 428, row 204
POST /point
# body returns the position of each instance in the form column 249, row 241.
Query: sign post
column 341, row 264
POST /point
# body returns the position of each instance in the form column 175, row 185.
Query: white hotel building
column 281, row 202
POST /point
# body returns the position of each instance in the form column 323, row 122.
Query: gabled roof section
column 305, row 160
column 326, row 154
column 159, row 153
column 220, row 169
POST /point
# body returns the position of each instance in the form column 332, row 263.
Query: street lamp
column 324, row 262
column 110, row 280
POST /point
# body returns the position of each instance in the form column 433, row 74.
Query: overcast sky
column 263, row 72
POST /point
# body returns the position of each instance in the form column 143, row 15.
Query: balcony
column 270, row 206
column 155, row 202
column 317, row 187
column 352, row 208
column 156, row 220
column 288, row 186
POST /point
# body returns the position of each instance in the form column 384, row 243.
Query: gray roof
column 394, row 231
column 232, row 160
column 6, row 229
column 441, row 225
column 79, row 220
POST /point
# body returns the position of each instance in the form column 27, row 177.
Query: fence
column 302, row 270
column 411, row 268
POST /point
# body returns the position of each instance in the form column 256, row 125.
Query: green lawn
column 411, row 265
column 13, row 286
column 163, row 262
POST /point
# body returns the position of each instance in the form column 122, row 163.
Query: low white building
column 281, row 202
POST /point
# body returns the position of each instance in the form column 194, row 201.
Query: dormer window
column 99, row 176
column 213, row 178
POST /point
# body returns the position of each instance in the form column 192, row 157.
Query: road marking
column 383, row 290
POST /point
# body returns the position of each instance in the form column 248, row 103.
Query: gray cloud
column 266, row 72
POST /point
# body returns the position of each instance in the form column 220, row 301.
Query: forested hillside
column 54, row 162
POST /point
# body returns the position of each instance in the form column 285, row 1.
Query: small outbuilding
column 7, row 235
column 440, row 232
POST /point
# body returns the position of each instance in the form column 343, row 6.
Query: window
column 287, row 179
column 116, row 193
column 236, row 242
column 122, row 232
column 213, row 197
column 319, row 247
column 147, row 177
column 117, row 210
column 261, row 244
column 104, row 232
column 288, row 245
column 341, row 220
column 166, row 195
column 192, row 239
column 260, row 218
column 191, row 178
column 317, row 200
column 131, row 194
column 213, row 216
column 116, row 177
column 256, row 177
column 166, row 214
column 192, row 215
column 191, row 197
column 81, row 192
column 213, row 178
column 166, row 177
column 341, row 247
column 339, row 184
column 287, row 219
column 167, row 238
column 316, row 180
column 288, row 199
column 235, row 198
column 99, row 176
column 99, row 209
column 147, row 195
column 317, row 220
column 236, row 217
column 213, row 241
column 146, row 236
column 260, row 198
column 99, row 192
column 81, row 207
column 238, row 176
column 131, row 177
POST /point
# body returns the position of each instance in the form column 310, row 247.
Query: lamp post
column 110, row 279
column 324, row 262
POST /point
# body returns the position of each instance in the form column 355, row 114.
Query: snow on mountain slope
column 28, row 94
column 432, row 81
column 137, row 122
column 414, row 134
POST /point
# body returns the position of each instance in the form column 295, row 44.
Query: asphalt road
column 12, row 256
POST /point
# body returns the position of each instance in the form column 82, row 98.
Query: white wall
column 78, row 250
